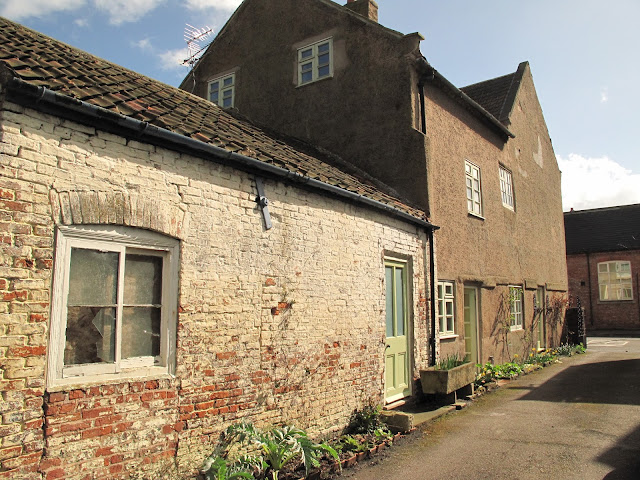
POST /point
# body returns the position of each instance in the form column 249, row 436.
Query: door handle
column 388, row 346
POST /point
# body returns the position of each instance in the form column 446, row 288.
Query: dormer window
column 222, row 90
column 315, row 62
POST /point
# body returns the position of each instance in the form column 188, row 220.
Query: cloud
column 173, row 59
column 20, row 9
column 81, row 22
column 596, row 183
column 225, row 5
column 122, row 11
column 604, row 95
column 144, row 45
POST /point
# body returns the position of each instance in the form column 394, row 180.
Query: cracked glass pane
column 90, row 335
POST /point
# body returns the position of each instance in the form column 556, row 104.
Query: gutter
column 44, row 99
column 428, row 73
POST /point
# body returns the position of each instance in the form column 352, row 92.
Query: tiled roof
column 497, row 95
column 603, row 229
column 43, row 61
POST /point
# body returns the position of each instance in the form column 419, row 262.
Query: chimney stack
column 366, row 8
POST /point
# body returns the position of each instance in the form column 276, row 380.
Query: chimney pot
column 366, row 8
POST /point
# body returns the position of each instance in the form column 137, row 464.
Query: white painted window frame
column 313, row 60
column 620, row 284
column 473, row 188
column 113, row 239
column 446, row 296
column 222, row 88
column 506, row 188
column 516, row 307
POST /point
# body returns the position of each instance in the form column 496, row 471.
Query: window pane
column 90, row 335
column 227, row 81
column 227, row 103
column 399, row 303
column 323, row 71
column 142, row 280
column 214, row 96
column 323, row 59
column 93, row 277
column 388, row 272
column 450, row 327
column 140, row 332
column 307, row 77
column 323, row 47
column 306, row 53
column 214, row 86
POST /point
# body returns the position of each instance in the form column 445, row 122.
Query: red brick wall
column 583, row 284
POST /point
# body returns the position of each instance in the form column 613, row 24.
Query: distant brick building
column 603, row 259
column 145, row 302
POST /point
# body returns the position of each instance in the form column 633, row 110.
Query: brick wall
column 583, row 284
column 284, row 325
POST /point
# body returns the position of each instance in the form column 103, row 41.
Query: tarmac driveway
column 576, row 420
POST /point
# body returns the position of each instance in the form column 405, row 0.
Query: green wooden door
column 397, row 376
column 471, row 324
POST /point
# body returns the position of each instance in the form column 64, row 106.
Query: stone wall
column 280, row 325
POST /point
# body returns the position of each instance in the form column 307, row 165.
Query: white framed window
column 315, row 62
column 614, row 281
column 446, row 308
column 516, row 307
column 474, row 189
column 114, row 304
column 506, row 188
column 222, row 90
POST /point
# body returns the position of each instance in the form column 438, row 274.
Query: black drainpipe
column 432, row 280
column 590, row 295
column 423, row 113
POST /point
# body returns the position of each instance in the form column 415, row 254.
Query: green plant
column 542, row 358
column 580, row 348
column 217, row 468
column 449, row 362
column 348, row 443
column 382, row 434
column 366, row 420
column 280, row 445
column 565, row 349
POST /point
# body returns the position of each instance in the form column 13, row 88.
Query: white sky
column 583, row 55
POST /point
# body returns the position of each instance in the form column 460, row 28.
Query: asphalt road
column 576, row 420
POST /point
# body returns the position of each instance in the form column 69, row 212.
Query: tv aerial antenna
column 196, row 38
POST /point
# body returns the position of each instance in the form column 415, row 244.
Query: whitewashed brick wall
column 284, row 325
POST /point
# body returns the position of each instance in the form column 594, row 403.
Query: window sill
column 312, row 82
column 511, row 209
column 448, row 336
column 80, row 382
column 517, row 329
column 475, row 215
column 627, row 300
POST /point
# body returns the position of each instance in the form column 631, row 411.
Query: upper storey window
column 506, row 188
column 222, row 90
column 315, row 62
column 474, row 192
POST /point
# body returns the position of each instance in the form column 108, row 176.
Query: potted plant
column 447, row 376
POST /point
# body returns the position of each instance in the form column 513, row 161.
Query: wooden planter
column 443, row 382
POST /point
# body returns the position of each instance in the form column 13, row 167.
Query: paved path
column 575, row 420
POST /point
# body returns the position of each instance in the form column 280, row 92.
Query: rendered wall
column 524, row 246
column 310, row 364
column 361, row 113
